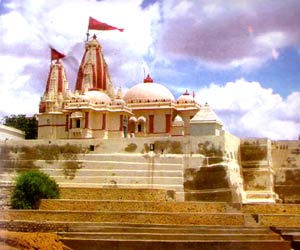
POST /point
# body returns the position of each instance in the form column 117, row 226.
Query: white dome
column 178, row 121
column 118, row 102
column 144, row 92
column 185, row 98
column 96, row 96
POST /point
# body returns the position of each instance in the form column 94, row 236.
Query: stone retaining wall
column 271, row 209
column 129, row 217
column 122, row 206
column 31, row 226
column 115, row 194
column 279, row 220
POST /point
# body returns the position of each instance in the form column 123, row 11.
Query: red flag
column 55, row 55
column 96, row 25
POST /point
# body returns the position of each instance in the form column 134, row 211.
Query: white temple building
column 94, row 110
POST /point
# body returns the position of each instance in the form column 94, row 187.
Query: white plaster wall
column 8, row 133
column 198, row 129
column 52, row 126
column 113, row 121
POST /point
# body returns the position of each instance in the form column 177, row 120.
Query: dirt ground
column 30, row 241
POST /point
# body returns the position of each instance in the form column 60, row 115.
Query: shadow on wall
column 253, row 152
column 23, row 158
column 206, row 178
column 165, row 147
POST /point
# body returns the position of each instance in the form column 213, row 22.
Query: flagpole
column 50, row 55
column 87, row 35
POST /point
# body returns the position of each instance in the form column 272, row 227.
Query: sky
column 242, row 57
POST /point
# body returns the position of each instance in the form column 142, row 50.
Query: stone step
column 132, row 206
column 124, row 217
column 250, row 220
column 103, row 172
column 122, row 165
column 116, row 172
column 104, row 180
column 121, row 180
column 130, row 157
column 83, row 244
column 159, row 228
column 290, row 233
column 134, row 194
column 98, row 164
column 221, row 195
column 169, row 236
column 59, row 226
column 271, row 208
column 279, row 220
column 74, row 184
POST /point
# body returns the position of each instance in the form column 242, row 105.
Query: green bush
column 31, row 186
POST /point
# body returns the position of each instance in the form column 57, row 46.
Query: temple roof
column 93, row 72
column 96, row 96
column 148, row 91
column 185, row 98
column 206, row 115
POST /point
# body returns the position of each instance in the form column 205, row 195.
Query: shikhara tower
column 93, row 110
column 93, row 72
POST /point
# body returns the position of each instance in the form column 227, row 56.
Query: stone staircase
column 106, row 170
column 5, row 194
column 120, row 218
column 282, row 218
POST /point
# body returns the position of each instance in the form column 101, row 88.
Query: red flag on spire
column 96, row 25
column 55, row 55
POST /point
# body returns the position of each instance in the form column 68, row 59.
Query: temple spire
column 57, row 89
column 93, row 72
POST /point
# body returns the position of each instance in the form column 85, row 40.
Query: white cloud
column 275, row 54
column 30, row 27
column 271, row 39
column 17, row 96
column 249, row 110
column 217, row 34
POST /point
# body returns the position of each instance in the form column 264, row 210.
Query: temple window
column 139, row 127
column 103, row 121
column 77, row 123
column 151, row 123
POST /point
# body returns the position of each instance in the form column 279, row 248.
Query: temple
column 148, row 171
column 231, row 168
column 94, row 110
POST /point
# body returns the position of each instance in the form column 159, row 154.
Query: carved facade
column 94, row 110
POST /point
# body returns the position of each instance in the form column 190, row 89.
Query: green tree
column 27, row 124
column 31, row 187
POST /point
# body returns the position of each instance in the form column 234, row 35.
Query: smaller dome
column 118, row 102
column 118, row 98
column 96, row 96
column 132, row 119
column 141, row 119
column 185, row 98
column 178, row 121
